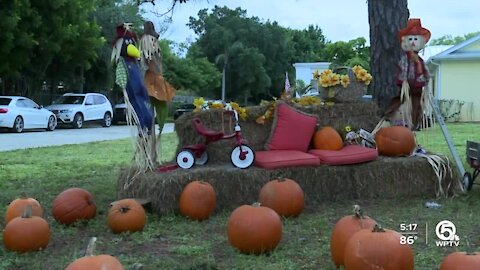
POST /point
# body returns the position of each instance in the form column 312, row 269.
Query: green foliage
column 351, row 53
column 451, row 40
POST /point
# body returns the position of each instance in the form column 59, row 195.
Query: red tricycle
column 242, row 156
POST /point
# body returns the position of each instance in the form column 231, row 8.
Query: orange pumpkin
column 395, row 141
column 72, row 205
column 126, row 215
column 95, row 262
column 26, row 233
column 377, row 249
column 17, row 207
column 198, row 200
column 461, row 261
column 254, row 229
column 284, row 196
column 344, row 229
column 327, row 138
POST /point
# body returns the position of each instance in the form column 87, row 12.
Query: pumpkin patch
column 197, row 200
column 126, row 215
column 285, row 196
column 72, row 205
column 254, row 229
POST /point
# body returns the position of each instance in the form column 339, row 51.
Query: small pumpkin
column 254, row 229
column 17, row 207
column 197, row 200
column 378, row 249
column 95, row 262
column 461, row 261
column 126, row 215
column 395, row 141
column 344, row 229
column 327, row 138
column 73, row 204
column 26, row 233
column 284, row 195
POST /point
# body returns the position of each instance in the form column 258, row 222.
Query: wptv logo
column 447, row 234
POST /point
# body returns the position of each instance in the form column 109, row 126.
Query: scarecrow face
column 129, row 49
column 413, row 43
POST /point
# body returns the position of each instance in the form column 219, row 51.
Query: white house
column 304, row 71
column 455, row 72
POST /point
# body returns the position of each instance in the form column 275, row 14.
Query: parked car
column 120, row 114
column 20, row 113
column 75, row 109
column 185, row 108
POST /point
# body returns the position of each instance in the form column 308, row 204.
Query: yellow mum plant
column 362, row 74
column 201, row 104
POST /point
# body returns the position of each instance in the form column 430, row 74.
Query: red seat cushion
column 284, row 158
column 349, row 154
column 291, row 129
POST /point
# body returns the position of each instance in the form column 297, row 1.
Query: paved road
column 63, row 135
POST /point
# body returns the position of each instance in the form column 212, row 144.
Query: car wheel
column 78, row 121
column 52, row 123
column 107, row 120
column 18, row 124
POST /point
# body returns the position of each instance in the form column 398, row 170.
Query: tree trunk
column 386, row 18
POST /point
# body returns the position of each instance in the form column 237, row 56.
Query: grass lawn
column 173, row 242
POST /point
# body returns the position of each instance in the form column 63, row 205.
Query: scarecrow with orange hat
column 412, row 75
column 125, row 57
column 159, row 90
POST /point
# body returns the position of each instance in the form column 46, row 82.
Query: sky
column 340, row 20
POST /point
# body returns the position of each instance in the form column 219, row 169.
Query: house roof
column 457, row 52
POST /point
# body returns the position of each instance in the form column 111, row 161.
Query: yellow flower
column 344, row 80
column 334, row 79
column 316, row 74
column 198, row 102
column 325, row 81
column 216, row 105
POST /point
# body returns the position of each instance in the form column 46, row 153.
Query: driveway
column 63, row 135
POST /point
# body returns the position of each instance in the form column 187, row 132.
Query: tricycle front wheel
column 242, row 156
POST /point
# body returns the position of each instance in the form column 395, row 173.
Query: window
column 5, row 101
column 21, row 103
column 69, row 100
column 29, row 103
column 99, row 99
column 89, row 100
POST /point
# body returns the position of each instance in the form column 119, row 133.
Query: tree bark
column 386, row 18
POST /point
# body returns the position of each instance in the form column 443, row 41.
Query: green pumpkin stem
column 23, row 195
column 358, row 211
column 124, row 209
column 256, row 204
column 378, row 228
column 90, row 251
column 27, row 212
column 136, row 266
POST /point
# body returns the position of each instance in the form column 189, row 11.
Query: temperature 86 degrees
column 409, row 233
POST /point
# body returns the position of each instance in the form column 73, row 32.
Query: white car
column 76, row 109
column 19, row 113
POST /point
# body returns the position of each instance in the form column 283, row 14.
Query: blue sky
column 340, row 20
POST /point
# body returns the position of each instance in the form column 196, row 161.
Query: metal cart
column 473, row 159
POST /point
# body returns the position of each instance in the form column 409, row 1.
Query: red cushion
column 284, row 158
column 291, row 129
column 349, row 154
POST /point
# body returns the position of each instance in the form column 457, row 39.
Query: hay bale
column 387, row 178
column 358, row 115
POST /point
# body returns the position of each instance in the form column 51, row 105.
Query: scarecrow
column 128, row 76
column 412, row 76
column 159, row 90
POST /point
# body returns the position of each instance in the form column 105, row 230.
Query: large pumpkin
column 254, row 229
column 327, row 138
column 126, row 215
column 377, row 249
column 26, row 233
column 72, row 205
column 95, row 262
column 284, row 196
column 344, row 229
column 461, row 261
column 17, row 207
column 395, row 141
column 197, row 200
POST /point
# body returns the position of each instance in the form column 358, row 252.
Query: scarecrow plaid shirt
column 121, row 74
